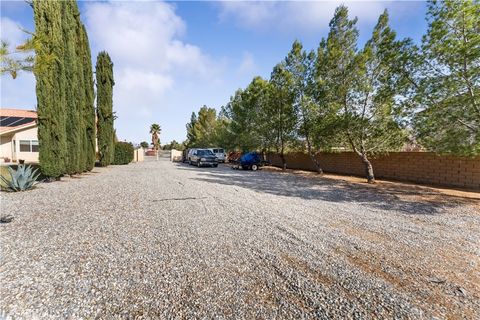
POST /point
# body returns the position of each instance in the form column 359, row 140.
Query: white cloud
column 11, row 31
column 247, row 64
column 151, row 61
column 289, row 16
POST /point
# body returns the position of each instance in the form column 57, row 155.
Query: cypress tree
column 81, row 99
column 89, row 108
column 74, row 88
column 50, row 88
column 104, row 75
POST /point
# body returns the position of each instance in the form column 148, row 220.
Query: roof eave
column 27, row 126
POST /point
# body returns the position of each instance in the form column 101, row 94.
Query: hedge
column 123, row 153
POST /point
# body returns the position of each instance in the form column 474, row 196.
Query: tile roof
column 4, row 112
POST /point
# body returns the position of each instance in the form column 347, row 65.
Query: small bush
column 123, row 153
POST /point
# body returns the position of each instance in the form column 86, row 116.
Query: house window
column 28, row 145
column 34, row 145
column 24, row 145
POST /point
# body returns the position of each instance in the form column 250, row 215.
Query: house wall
column 419, row 167
column 6, row 146
column 27, row 134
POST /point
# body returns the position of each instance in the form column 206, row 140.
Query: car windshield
column 204, row 153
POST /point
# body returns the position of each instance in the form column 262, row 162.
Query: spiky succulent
column 22, row 179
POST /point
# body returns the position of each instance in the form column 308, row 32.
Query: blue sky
column 170, row 58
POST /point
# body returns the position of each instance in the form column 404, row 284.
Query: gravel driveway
column 163, row 240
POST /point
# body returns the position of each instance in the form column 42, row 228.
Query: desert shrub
column 24, row 178
column 123, row 153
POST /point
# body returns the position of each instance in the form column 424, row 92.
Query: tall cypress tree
column 74, row 85
column 104, row 74
column 50, row 87
column 80, row 96
column 89, row 108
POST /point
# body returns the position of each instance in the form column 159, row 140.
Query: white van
column 219, row 153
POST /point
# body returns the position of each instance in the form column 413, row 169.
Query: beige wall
column 138, row 154
column 176, row 155
column 6, row 146
column 7, row 149
column 28, row 134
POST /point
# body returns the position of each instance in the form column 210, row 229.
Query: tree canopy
column 368, row 100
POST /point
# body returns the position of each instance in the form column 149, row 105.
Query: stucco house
column 18, row 135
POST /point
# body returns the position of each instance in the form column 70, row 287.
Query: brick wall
column 420, row 167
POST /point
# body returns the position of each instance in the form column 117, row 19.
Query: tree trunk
column 284, row 162
column 312, row 156
column 368, row 168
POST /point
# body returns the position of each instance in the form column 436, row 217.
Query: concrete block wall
column 419, row 167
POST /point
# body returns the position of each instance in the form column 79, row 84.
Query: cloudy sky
column 170, row 58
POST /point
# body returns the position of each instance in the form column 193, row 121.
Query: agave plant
column 22, row 179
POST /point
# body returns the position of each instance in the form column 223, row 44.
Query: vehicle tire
column 198, row 164
column 215, row 165
column 254, row 167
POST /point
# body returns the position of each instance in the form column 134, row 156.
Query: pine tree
column 50, row 88
column 245, row 109
column 191, row 138
column 447, row 118
column 105, row 117
column 280, row 109
column 370, row 116
column 311, row 120
column 204, row 129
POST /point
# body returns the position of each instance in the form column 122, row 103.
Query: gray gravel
column 163, row 240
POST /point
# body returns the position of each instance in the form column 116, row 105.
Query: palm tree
column 155, row 132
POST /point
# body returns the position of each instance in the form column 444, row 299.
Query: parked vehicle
column 185, row 155
column 219, row 153
column 249, row 161
column 202, row 157
column 190, row 154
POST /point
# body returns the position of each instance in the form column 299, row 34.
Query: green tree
column 191, row 138
column 90, row 138
column 447, row 100
column 74, row 88
column 280, row 110
column 11, row 63
column 144, row 144
column 155, row 132
column 312, row 120
column 105, row 116
column 201, row 129
column 51, row 88
column 371, row 113
column 173, row 145
column 223, row 134
column 245, row 109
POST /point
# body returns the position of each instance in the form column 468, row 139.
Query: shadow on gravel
column 289, row 185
